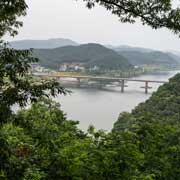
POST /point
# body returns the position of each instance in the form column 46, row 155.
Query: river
column 101, row 108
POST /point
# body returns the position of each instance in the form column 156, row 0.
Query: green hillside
column 154, row 126
column 90, row 54
column 149, row 58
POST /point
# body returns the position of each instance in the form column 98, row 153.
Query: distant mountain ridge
column 177, row 53
column 90, row 54
column 42, row 44
column 174, row 56
column 144, row 56
column 71, row 51
column 150, row 58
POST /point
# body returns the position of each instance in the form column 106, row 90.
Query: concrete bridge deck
column 103, row 78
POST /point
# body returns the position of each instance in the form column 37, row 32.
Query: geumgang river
column 101, row 108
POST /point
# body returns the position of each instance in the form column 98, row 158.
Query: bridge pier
column 122, row 85
column 146, row 87
column 100, row 84
column 78, row 82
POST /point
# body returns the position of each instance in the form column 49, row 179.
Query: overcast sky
column 71, row 19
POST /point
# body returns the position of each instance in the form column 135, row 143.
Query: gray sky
column 71, row 19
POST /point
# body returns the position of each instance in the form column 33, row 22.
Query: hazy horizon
column 70, row 19
column 121, row 45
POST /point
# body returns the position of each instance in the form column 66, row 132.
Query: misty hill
column 177, row 53
column 174, row 56
column 42, row 44
column 145, row 56
column 90, row 54
column 128, row 48
column 150, row 58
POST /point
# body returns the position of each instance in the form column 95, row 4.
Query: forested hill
column 144, row 56
column 154, row 127
column 53, row 51
column 150, row 58
column 90, row 54
column 42, row 44
column 163, row 106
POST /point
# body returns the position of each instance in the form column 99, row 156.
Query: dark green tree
column 156, row 127
column 16, row 84
column 10, row 10
column 17, row 87
column 40, row 144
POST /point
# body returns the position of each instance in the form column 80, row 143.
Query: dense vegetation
column 155, row 125
column 39, row 143
column 90, row 54
column 42, row 144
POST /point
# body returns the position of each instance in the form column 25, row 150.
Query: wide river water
column 101, row 108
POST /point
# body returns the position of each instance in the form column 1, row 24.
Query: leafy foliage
column 41, row 144
column 17, row 86
column 155, row 13
column 156, row 126
column 9, row 11
column 44, row 145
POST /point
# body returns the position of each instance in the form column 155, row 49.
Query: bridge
column 103, row 80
